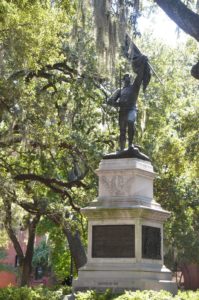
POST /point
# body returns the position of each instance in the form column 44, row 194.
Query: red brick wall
column 6, row 277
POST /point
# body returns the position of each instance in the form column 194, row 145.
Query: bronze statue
column 126, row 100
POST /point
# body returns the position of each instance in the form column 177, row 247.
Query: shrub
column 188, row 295
column 93, row 295
column 145, row 295
column 138, row 295
column 41, row 293
column 25, row 293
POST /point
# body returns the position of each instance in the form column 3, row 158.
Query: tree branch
column 49, row 181
column 185, row 18
column 62, row 67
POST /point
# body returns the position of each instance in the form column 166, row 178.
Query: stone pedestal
column 125, row 231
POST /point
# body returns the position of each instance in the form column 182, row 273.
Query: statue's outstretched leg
column 122, row 141
column 132, row 115
column 131, row 133
column 123, row 126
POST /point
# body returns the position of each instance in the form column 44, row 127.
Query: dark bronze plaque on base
column 151, row 242
column 113, row 241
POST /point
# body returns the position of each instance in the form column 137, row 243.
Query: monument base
column 125, row 231
column 122, row 277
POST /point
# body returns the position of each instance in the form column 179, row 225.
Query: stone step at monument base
column 155, row 268
column 123, row 282
column 120, row 277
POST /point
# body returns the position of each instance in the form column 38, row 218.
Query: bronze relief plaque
column 113, row 241
column 151, row 242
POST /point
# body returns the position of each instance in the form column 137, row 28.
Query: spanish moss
column 113, row 20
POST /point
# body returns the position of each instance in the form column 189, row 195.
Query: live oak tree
column 52, row 134
column 50, row 111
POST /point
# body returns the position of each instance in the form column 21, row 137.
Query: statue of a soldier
column 126, row 99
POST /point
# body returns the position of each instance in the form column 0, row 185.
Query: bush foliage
column 139, row 295
column 38, row 293
column 41, row 293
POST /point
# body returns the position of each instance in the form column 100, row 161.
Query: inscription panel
column 113, row 241
column 151, row 242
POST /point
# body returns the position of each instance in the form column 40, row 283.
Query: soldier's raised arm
column 139, row 67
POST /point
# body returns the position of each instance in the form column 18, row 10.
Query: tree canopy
column 114, row 18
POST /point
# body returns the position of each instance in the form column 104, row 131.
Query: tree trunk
column 185, row 18
column 191, row 276
column 76, row 247
column 73, row 237
column 25, row 271
column 26, row 268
